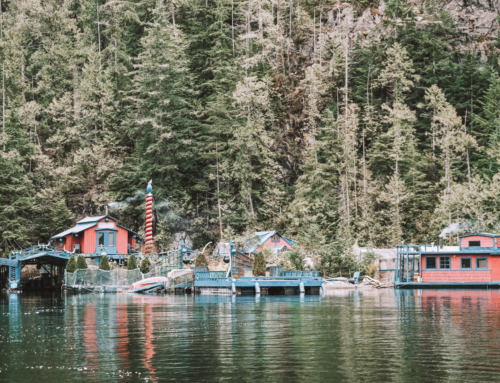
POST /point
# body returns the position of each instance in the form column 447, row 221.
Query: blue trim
column 458, row 270
column 465, row 268
column 449, row 263
column 105, row 229
column 427, row 260
column 482, row 268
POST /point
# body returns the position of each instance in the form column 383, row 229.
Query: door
column 106, row 240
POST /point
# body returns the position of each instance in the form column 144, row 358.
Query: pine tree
column 104, row 265
column 145, row 265
column 71, row 265
column 132, row 263
column 259, row 265
column 201, row 260
column 81, row 263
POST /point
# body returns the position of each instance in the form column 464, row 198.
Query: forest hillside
column 332, row 122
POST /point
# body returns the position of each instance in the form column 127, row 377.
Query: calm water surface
column 376, row 336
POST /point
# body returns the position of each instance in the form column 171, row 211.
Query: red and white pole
column 149, row 214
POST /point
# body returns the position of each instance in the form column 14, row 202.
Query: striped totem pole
column 149, row 214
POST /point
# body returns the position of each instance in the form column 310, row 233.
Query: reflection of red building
column 90, row 338
column 477, row 260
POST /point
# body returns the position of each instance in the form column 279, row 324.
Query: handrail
column 210, row 276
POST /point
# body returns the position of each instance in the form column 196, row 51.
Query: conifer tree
column 201, row 260
column 132, row 263
column 80, row 263
column 104, row 265
column 259, row 265
column 71, row 266
column 145, row 265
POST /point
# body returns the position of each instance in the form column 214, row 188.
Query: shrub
column 259, row 265
column 201, row 260
column 145, row 265
column 80, row 263
column 71, row 266
column 371, row 269
column 132, row 263
column 104, row 265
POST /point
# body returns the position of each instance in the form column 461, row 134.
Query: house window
column 430, row 262
column 481, row 263
column 101, row 239
column 275, row 238
column 474, row 243
column 444, row 262
column 466, row 263
column 111, row 239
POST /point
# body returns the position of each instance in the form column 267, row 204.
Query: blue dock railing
column 210, row 276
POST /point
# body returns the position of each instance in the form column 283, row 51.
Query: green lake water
column 349, row 336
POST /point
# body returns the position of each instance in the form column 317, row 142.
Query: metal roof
column 74, row 230
column 264, row 236
column 95, row 219
column 479, row 234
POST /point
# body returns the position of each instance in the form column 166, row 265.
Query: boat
column 149, row 284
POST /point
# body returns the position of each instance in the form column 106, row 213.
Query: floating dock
column 291, row 283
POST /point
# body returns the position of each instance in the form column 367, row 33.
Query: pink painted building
column 93, row 235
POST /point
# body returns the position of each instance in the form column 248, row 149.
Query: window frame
column 427, row 263
column 275, row 236
column 99, row 236
column 470, row 263
column 479, row 243
column 477, row 263
column 449, row 263
column 111, row 238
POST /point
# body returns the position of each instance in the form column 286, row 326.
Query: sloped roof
column 94, row 219
column 74, row 230
column 87, row 223
column 479, row 234
column 264, row 236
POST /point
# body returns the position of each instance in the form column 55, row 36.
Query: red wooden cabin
column 93, row 235
column 477, row 260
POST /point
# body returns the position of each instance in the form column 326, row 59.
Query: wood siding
column 485, row 241
column 270, row 243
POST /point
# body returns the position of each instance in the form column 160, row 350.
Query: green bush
column 71, row 266
column 259, row 265
column 104, row 265
column 132, row 263
column 145, row 265
column 201, row 260
column 80, row 263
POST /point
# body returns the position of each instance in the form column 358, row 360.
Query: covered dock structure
column 46, row 257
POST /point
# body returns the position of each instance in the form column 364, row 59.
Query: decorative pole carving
column 149, row 213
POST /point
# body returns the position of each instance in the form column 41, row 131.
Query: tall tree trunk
column 218, row 190
column 261, row 31
column 98, row 26
column 76, row 93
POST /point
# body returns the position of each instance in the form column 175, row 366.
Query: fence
column 303, row 273
column 114, row 278
column 210, row 276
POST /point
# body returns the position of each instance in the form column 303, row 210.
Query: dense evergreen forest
column 331, row 122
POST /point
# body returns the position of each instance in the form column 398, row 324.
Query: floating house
column 262, row 239
column 95, row 235
column 474, row 263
